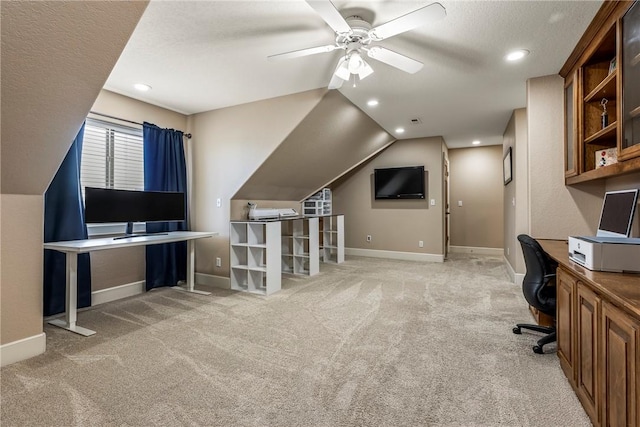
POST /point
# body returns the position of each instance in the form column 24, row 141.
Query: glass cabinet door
column 570, row 129
column 630, row 141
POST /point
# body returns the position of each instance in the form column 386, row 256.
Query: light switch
column 218, row 202
column 433, row 202
column 459, row 202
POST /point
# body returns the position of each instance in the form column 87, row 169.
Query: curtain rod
column 188, row 135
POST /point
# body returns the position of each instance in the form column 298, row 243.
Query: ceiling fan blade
column 330, row 14
column 303, row 52
column 395, row 59
column 411, row 20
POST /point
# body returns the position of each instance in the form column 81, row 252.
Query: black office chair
column 541, row 272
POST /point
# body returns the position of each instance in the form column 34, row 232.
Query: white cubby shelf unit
column 300, row 251
column 255, row 256
column 332, row 249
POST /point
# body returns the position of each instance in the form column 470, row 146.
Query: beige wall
column 21, row 255
column 123, row 266
column 516, row 198
column 229, row 144
column 395, row 225
column 556, row 211
column 476, row 180
column 50, row 78
column 333, row 138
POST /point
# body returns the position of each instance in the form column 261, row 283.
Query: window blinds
column 112, row 156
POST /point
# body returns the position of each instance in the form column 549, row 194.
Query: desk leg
column 191, row 266
column 70, row 316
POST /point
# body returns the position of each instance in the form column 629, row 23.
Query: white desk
column 74, row 247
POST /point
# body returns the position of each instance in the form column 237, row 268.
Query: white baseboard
column 408, row 256
column 23, row 349
column 516, row 278
column 476, row 250
column 117, row 292
column 215, row 281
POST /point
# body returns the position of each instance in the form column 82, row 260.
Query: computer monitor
column 618, row 209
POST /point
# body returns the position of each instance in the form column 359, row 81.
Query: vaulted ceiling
column 203, row 55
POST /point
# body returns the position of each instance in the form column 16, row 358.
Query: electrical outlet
column 420, row 244
column 218, row 262
column 368, row 237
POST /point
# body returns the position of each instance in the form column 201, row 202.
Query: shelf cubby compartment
column 238, row 232
column 238, row 255
column 256, row 234
column 239, row 278
column 287, row 263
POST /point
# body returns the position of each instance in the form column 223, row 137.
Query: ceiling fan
column 355, row 36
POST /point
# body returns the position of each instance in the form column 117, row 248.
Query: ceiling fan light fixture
column 342, row 70
column 356, row 63
column 365, row 71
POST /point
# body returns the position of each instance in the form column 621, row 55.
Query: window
column 111, row 156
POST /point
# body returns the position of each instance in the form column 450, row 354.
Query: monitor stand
column 128, row 232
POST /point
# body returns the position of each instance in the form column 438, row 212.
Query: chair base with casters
column 549, row 338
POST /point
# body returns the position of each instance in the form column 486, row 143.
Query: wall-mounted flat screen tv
column 399, row 183
column 103, row 205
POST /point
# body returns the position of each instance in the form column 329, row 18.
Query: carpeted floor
column 369, row 342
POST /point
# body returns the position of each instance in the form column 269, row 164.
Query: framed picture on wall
column 506, row 167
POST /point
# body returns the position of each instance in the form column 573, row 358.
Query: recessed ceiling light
column 476, row 142
column 400, row 130
column 517, row 54
column 372, row 103
column 142, row 87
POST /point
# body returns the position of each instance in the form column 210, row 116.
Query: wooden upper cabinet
column 571, row 131
column 602, row 125
column 630, row 114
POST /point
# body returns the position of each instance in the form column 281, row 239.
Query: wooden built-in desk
column 598, row 329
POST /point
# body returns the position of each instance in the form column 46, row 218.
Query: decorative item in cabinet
column 607, row 157
column 630, row 141
column 255, row 255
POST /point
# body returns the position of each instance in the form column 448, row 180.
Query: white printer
column 256, row 213
column 616, row 254
column 611, row 249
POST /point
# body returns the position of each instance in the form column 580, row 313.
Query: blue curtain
column 64, row 220
column 165, row 170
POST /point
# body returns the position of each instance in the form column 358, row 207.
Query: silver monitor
column 618, row 209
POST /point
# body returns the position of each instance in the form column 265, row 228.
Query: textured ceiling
column 204, row 55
